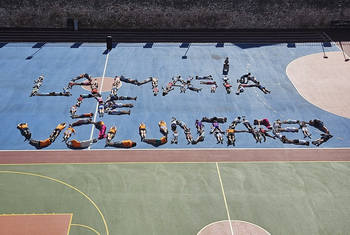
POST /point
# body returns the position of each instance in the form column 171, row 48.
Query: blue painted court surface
column 22, row 63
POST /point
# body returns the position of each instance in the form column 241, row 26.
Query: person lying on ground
column 253, row 79
column 162, row 127
column 86, row 75
column 79, row 101
column 95, row 92
column 209, row 77
column 57, row 131
column 213, row 88
column 99, row 99
column 208, row 82
column 200, row 138
column 156, row 142
column 175, row 137
column 288, row 129
column 111, row 97
column 235, row 122
column 114, row 105
column 192, row 88
column 230, row 134
column 189, row 79
column 290, row 121
column 319, row 125
column 168, row 88
column 82, row 122
column 262, row 88
column 277, row 125
column 85, row 115
column 115, row 97
column 94, row 84
column 247, row 124
column 128, row 80
column 155, row 86
column 25, row 132
column 85, row 83
column 323, row 139
column 114, row 88
column 183, row 88
column 304, row 129
column 121, row 144
column 265, row 122
column 215, row 127
column 154, row 82
column 75, row 144
column 173, row 124
column 68, row 133
column 264, row 133
column 244, row 79
column 127, row 98
column 118, row 112
column 84, row 96
column 101, row 109
column 100, row 125
column 40, row 79
column 199, row 125
column 54, row 93
column 144, row 81
column 219, row 137
column 177, row 79
column 142, row 131
column 285, row 140
column 242, row 86
column 155, row 90
column 73, row 110
column 218, row 119
column 227, row 87
column 256, row 134
column 39, row 144
column 34, row 91
column 182, row 124
column 226, row 66
column 111, row 133
column 188, row 134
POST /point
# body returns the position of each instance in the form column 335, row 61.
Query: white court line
column 223, row 193
column 96, row 110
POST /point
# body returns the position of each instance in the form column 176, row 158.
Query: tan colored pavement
column 324, row 82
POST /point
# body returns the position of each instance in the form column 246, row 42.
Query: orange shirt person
column 39, row 144
column 57, row 131
column 111, row 133
column 75, row 144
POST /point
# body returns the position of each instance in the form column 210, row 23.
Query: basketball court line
column 101, row 85
column 225, row 201
column 65, row 184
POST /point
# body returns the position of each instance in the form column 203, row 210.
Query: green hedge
column 181, row 14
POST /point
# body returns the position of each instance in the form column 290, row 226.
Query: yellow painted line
column 223, row 193
column 70, row 224
column 13, row 214
column 84, row 226
column 61, row 182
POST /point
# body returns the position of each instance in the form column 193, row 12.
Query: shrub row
column 179, row 14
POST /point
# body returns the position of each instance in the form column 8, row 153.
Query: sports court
column 262, row 188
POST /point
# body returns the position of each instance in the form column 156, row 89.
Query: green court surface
column 182, row 198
